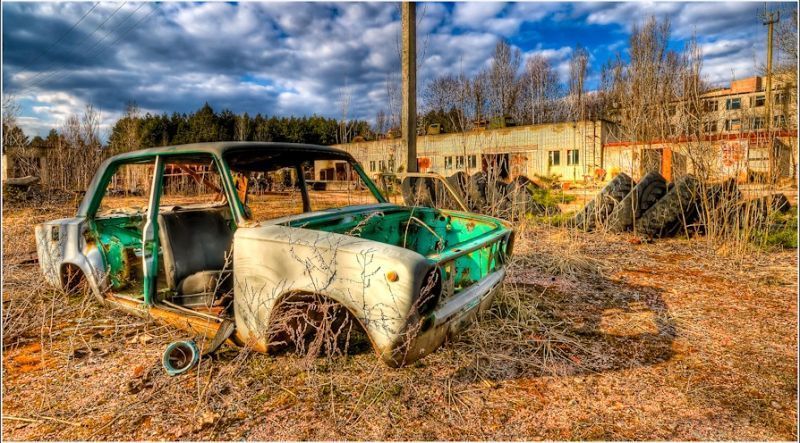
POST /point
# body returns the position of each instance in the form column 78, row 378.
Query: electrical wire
column 31, row 82
column 86, row 14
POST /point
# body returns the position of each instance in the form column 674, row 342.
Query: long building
column 570, row 150
column 735, row 142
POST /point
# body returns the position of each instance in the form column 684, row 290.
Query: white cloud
column 474, row 14
column 294, row 58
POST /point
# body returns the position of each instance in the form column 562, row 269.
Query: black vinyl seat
column 194, row 245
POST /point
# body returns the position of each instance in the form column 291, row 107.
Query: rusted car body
column 410, row 276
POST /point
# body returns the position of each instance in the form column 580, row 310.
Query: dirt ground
column 593, row 337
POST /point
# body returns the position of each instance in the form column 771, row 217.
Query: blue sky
column 301, row 58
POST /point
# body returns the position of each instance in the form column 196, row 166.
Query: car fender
column 272, row 261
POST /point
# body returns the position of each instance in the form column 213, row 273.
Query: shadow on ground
column 536, row 330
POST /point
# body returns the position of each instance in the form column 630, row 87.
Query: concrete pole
column 408, row 117
column 770, row 22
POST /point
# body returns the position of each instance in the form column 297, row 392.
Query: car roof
column 220, row 148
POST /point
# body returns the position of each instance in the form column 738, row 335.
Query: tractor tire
column 721, row 205
column 673, row 212
column 476, row 192
column 459, row 181
column 418, row 191
column 641, row 198
column 597, row 211
column 767, row 204
column 523, row 180
column 443, row 198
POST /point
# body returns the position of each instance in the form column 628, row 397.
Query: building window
column 733, row 103
column 779, row 121
column 711, row 105
column 757, row 123
column 672, row 109
column 472, row 161
column 554, row 158
column 572, row 157
column 372, row 165
column 383, row 166
column 710, row 127
column 757, row 101
column 460, row 162
column 733, row 124
column 781, row 98
column 391, row 164
column 448, row 162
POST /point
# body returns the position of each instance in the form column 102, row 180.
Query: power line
column 103, row 49
column 31, row 80
column 60, row 38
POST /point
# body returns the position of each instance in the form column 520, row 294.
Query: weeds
column 591, row 337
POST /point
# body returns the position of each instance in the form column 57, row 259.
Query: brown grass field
column 593, row 337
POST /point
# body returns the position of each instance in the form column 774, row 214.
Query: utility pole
column 408, row 117
column 770, row 18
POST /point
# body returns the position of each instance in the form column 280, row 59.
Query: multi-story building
column 730, row 133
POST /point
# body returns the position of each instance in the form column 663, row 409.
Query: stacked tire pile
column 655, row 207
column 482, row 194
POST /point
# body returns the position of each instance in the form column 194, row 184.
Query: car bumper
column 447, row 321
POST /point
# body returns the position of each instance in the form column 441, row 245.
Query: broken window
column 757, row 123
column 193, row 181
column 279, row 191
column 554, row 158
column 711, row 105
column 733, row 103
column 448, row 162
column 128, row 190
column 572, row 157
column 733, row 124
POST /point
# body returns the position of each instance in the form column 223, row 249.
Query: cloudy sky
column 298, row 58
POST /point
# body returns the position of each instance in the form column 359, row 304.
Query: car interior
column 195, row 231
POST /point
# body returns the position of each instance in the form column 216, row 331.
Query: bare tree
column 478, row 95
column 380, row 122
column 12, row 134
column 578, row 69
column 786, row 41
column 243, row 128
column 641, row 94
column 539, row 90
column 503, row 82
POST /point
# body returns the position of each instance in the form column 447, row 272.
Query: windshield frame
column 302, row 182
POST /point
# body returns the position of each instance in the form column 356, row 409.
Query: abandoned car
column 203, row 235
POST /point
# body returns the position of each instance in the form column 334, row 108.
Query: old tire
column 597, row 211
column 476, row 192
column 674, row 211
column 418, row 191
column 459, row 181
column 641, row 198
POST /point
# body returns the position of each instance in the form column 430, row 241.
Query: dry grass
column 593, row 337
